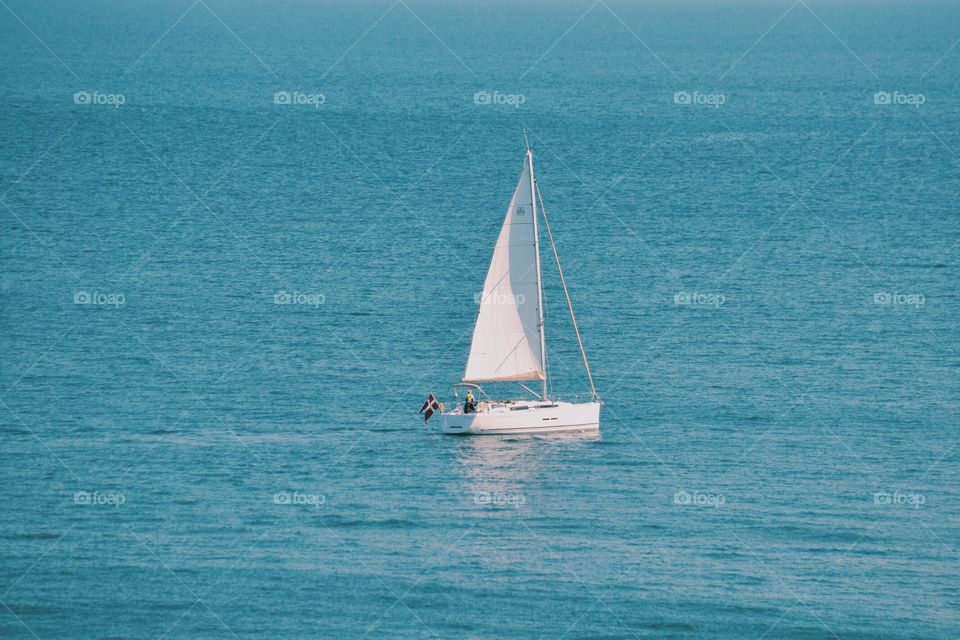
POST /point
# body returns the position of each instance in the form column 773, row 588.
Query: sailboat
column 509, row 343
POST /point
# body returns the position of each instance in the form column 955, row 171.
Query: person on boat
column 470, row 405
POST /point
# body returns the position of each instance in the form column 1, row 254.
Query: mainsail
column 507, row 341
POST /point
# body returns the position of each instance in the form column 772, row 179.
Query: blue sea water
column 756, row 207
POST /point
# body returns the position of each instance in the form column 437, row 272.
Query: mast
column 536, row 251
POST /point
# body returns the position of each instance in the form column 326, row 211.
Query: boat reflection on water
column 502, row 479
column 496, row 468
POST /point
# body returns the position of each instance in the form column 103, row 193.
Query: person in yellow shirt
column 470, row 406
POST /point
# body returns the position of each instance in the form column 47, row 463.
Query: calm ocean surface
column 756, row 207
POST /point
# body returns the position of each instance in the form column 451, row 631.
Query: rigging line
column 566, row 293
column 537, row 395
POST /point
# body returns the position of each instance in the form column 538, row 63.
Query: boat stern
column 456, row 423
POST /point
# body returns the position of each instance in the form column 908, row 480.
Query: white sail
column 507, row 343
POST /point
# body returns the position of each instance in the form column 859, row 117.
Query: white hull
column 524, row 418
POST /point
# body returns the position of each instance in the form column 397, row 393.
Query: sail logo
column 521, row 211
column 299, row 98
column 496, row 298
column 887, row 97
column 100, row 99
column 696, row 98
column 511, row 99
